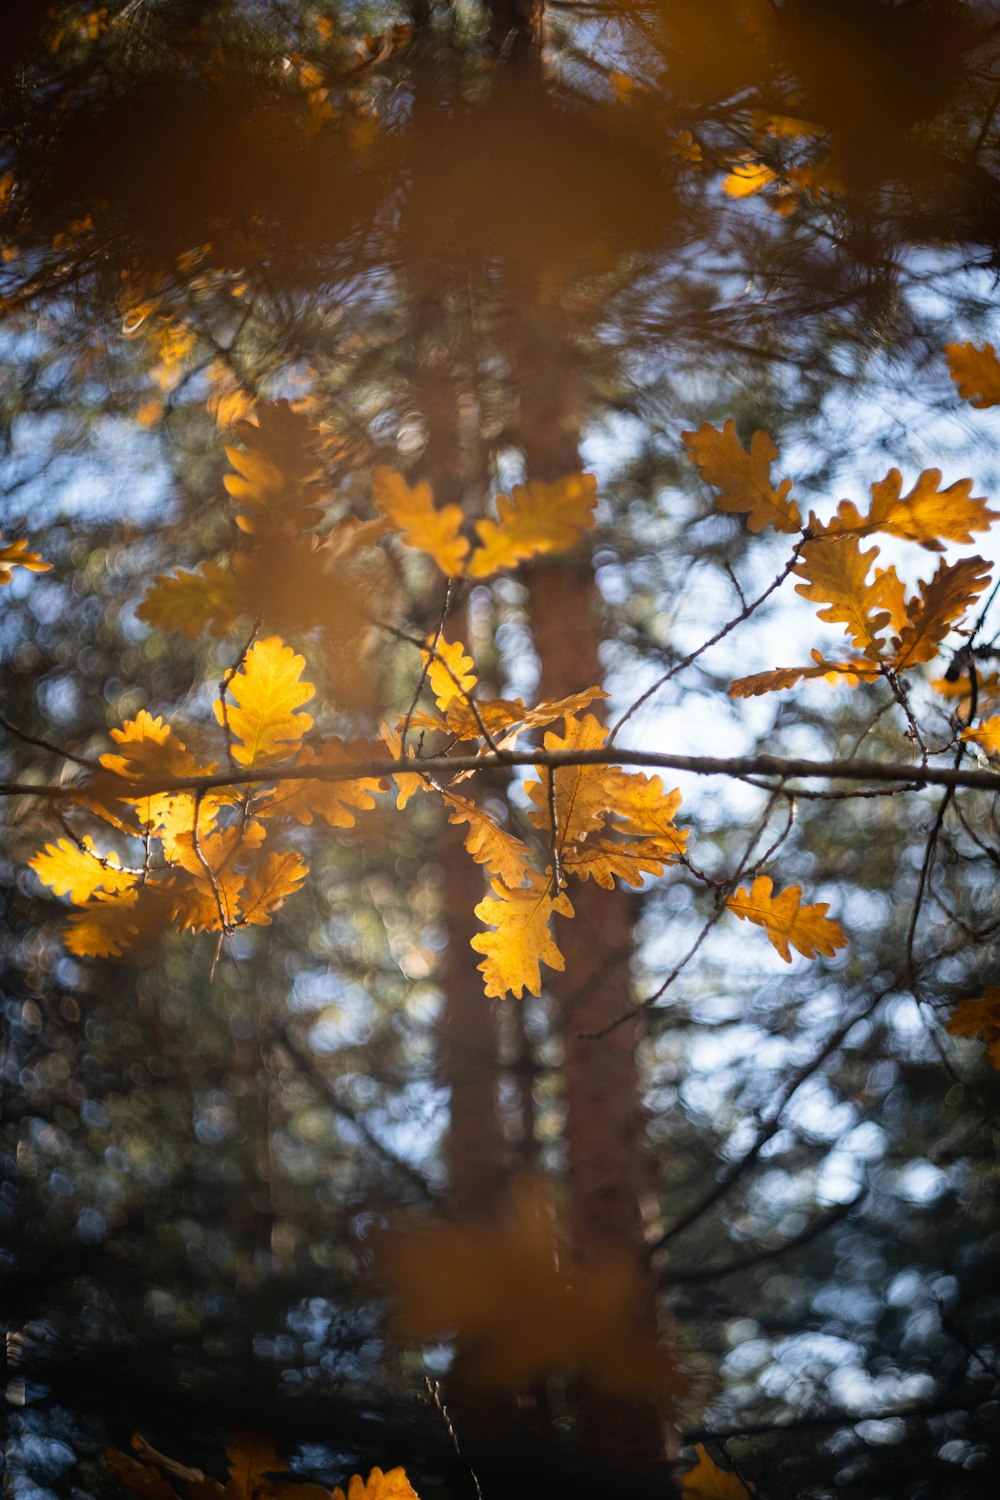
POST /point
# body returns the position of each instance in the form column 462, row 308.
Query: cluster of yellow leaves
column 786, row 183
column 521, row 1305
column 17, row 555
column 979, row 1018
column 205, row 864
column 252, row 1463
column 889, row 631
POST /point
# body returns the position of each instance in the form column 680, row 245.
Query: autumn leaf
column 786, row 921
column 205, row 891
column 265, row 725
column 142, row 1479
column 251, row 1458
column 505, row 719
column 927, row 515
column 449, row 671
column 537, row 518
column 17, row 555
column 860, row 669
column 209, row 599
column 406, row 783
column 601, row 860
column 744, row 478
column 706, row 1481
column 106, row 926
column 425, row 528
column 392, row 1485
column 79, row 871
column 979, row 1018
column 520, row 1304
column 836, row 571
column 581, row 793
column 275, row 469
column 502, row 853
column 268, row 884
column 940, row 605
column 986, row 734
column 976, row 372
column 522, row 940
column 336, row 802
column 747, row 178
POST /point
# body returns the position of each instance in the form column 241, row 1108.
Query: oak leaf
column 407, row 783
column 522, row 940
column 601, row 860
column 17, row 555
column 853, row 672
column 976, row 372
column 336, row 802
column 79, row 871
column 392, row 1485
column 836, row 571
column 580, row 793
column 209, row 599
column 986, row 734
column 979, row 1018
column 265, row 725
column 106, row 926
column 744, row 478
column 502, row 853
column 505, row 719
column 425, row 528
column 268, row 884
column 939, row 606
column 927, row 515
column 786, row 921
column 275, row 470
column 449, row 671
column 537, row 518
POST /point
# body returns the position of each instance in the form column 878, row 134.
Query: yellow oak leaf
column 79, row 871
column 521, row 1305
column 976, row 372
column 522, row 940
column 748, row 178
column 268, row 884
column 275, row 469
column 581, row 793
column 537, row 518
column 744, row 478
column 980, row 1018
column 265, row 724
column 449, row 673
column 986, row 734
column 150, row 751
column 209, row 599
column 105, row 927
column 706, row 1481
column 506, row 719
column 393, row 1485
column 407, row 784
column 425, row 528
column 938, row 608
column 17, row 555
column 501, row 852
column 786, row 921
column 601, row 860
column 205, row 891
column 836, row 571
column 334, row 801
column 853, row 672
column 927, row 515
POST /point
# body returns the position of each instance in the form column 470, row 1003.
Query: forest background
column 292, row 294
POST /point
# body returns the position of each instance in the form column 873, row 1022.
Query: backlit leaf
column 18, row 555
column 425, row 528
column 927, row 515
column 273, row 485
column 744, row 478
column 986, row 734
column 976, row 372
column 537, row 518
column 938, row 608
column 748, row 178
column 601, row 860
column 522, row 940
column 836, row 575
column 335, row 802
column 786, row 921
column 393, row 1485
column 449, row 673
column 406, row 783
column 269, row 884
column 79, row 872
column 105, row 927
column 209, row 599
column 265, row 724
column 501, row 852
column 861, row 669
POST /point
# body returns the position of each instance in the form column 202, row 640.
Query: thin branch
column 825, row 1221
column 53, row 749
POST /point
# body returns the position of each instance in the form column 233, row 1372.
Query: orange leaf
column 987, row 735
column 406, row 782
column 501, row 852
column 434, row 532
column 334, row 801
column 744, row 478
column 16, row 555
column 581, row 793
column 392, row 1485
column 939, row 606
column 449, row 673
column 275, row 469
column 706, row 1481
column 209, row 599
column 269, row 884
column 748, row 178
column 265, row 725
column 861, row 669
column 601, row 860
column 786, row 921
column 836, row 574
column 927, row 515
column 522, row 940
column 251, row 1457
column 537, row 518
column 106, row 926
column 979, row 1018
column 976, row 372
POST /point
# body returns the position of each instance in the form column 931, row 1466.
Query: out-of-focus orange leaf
column 393, row 1485
column 411, row 509
column 986, row 734
column 209, row 599
column 706, row 1481
column 744, row 478
column 747, row 178
column 265, row 725
column 976, row 372
column 522, row 940
column 273, row 486
column 786, row 921
column 979, row 1018
column 106, row 926
column 537, row 518
column 17, row 555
